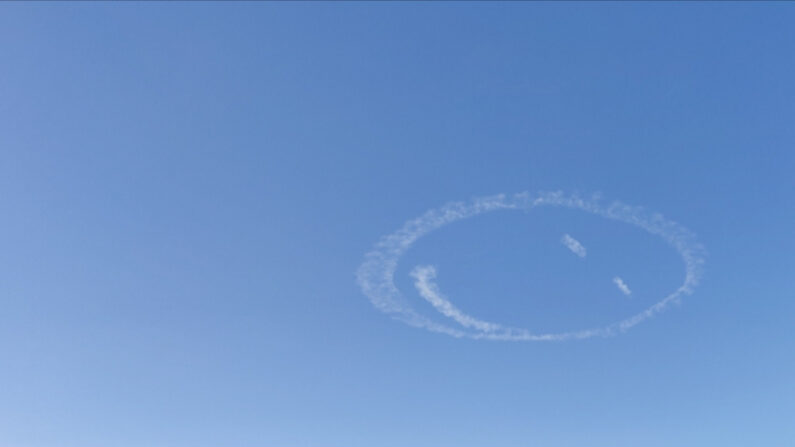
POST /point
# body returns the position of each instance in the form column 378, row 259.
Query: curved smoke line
column 376, row 275
column 427, row 289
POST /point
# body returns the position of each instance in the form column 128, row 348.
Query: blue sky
column 188, row 190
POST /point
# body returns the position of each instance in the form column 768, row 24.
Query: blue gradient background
column 188, row 188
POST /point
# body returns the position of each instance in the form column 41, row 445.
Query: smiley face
column 376, row 275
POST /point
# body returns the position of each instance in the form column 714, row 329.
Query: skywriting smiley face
column 376, row 275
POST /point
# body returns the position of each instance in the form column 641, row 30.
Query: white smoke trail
column 574, row 245
column 622, row 286
column 427, row 289
column 376, row 275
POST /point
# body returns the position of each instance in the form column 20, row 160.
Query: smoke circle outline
column 375, row 276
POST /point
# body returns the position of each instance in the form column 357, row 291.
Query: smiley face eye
column 622, row 286
column 578, row 249
column 574, row 245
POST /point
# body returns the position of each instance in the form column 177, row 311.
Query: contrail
column 622, row 286
column 376, row 275
column 424, row 274
column 574, row 245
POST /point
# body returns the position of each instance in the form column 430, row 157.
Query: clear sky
column 188, row 189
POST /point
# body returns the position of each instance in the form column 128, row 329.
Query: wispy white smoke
column 574, row 245
column 424, row 276
column 376, row 275
column 622, row 286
